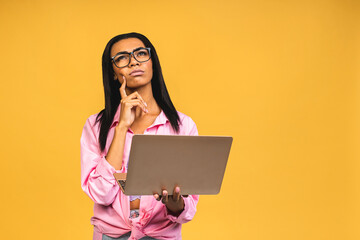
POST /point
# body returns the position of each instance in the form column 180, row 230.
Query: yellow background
column 281, row 77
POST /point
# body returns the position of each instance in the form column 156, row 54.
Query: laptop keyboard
column 122, row 183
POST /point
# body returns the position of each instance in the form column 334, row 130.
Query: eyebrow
column 128, row 52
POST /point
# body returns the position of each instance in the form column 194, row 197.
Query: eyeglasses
column 123, row 59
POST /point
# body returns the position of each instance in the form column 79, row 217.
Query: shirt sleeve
column 191, row 201
column 97, row 178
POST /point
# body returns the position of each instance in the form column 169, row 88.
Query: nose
column 133, row 61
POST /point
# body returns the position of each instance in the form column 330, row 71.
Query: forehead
column 126, row 45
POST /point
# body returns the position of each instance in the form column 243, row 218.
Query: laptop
column 194, row 163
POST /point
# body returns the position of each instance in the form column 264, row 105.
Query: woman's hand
column 174, row 203
column 129, row 105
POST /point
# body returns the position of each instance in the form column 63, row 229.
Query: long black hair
column 112, row 94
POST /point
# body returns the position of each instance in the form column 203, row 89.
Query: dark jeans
column 125, row 237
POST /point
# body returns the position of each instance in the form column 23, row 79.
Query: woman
column 136, row 102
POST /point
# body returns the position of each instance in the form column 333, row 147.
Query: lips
column 136, row 72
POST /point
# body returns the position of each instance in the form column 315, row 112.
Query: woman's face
column 132, row 80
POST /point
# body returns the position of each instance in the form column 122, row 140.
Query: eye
column 120, row 57
column 142, row 53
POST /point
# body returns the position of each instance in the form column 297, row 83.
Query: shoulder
column 92, row 118
column 187, row 124
column 185, row 118
column 91, row 123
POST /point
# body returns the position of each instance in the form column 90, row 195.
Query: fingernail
column 145, row 103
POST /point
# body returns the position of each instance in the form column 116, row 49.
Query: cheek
column 117, row 72
column 119, row 75
column 150, row 69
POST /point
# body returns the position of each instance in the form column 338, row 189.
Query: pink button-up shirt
column 112, row 207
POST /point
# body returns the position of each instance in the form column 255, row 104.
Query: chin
column 137, row 82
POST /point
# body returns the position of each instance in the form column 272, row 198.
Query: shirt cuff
column 106, row 170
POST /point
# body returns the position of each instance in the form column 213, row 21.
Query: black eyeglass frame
column 131, row 54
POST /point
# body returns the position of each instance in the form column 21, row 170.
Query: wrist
column 121, row 128
column 175, row 214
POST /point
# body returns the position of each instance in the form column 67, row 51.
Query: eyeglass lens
column 141, row 55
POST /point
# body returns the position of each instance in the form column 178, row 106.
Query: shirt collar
column 160, row 119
